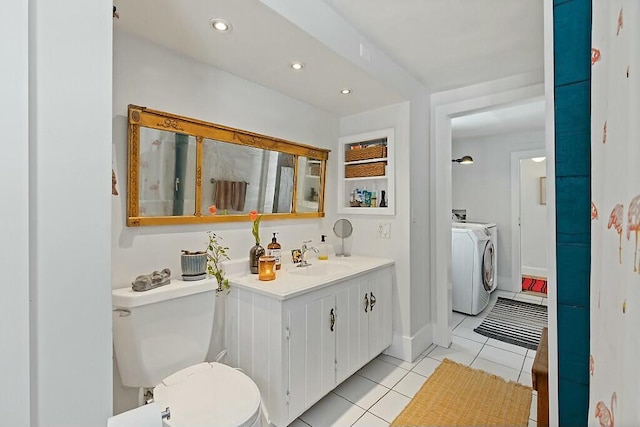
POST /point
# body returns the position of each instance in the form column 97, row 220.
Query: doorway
column 444, row 109
column 529, row 223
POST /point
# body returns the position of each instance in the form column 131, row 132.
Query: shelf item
column 366, row 172
column 313, row 169
column 372, row 152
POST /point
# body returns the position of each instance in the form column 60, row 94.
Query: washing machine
column 473, row 265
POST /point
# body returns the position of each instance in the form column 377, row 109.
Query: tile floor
column 377, row 393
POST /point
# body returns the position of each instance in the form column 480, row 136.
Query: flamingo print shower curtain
column 614, row 364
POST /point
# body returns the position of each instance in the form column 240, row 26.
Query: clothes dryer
column 473, row 262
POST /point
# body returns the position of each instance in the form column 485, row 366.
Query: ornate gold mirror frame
column 307, row 162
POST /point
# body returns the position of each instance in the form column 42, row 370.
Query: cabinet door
column 352, row 347
column 312, row 349
column 379, row 312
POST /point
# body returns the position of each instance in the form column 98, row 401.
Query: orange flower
column 255, row 230
column 213, row 209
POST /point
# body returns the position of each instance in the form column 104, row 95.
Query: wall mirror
column 186, row 171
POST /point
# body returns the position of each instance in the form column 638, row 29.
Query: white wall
column 533, row 219
column 484, row 187
column 364, row 239
column 147, row 75
column 70, row 67
column 14, row 220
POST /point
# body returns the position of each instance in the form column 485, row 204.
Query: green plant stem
column 216, row 253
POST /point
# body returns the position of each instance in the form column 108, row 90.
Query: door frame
column 497, row 94
column 516, row 253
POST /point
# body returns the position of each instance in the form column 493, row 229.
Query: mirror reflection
column 309, row 184
column 184, row 170
column 167, row 173
column 238, row 179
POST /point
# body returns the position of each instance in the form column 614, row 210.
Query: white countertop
column 291, row 280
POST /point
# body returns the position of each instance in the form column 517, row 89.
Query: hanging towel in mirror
column 229, row 195
column 222, row 191
column 238, row 195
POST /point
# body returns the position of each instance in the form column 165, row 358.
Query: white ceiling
column 447, row 44
column 260, row 48
column 442, row 43
column 527, row 117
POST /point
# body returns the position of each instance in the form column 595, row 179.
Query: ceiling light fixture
column 297, row 65
column 345, row 91
column 220, row 25
column 538, row 159
column 464, row 160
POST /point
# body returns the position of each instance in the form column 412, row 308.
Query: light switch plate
column 384, row 230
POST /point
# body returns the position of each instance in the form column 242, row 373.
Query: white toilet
column 161, row 338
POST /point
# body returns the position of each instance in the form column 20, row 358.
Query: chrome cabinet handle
column 373, row 300
column 332, row 316
column 366, row 303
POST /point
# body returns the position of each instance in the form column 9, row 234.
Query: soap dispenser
column 323, row 250
column 274, row 250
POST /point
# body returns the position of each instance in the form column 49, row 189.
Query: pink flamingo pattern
column 604, row 415
column 591, row 365
column 615, row 221
column 114, row 182
column 595, row 55
column 620, row 23
column 594, row 211
column 633, row 224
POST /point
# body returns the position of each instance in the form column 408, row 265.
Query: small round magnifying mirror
column 343, row 229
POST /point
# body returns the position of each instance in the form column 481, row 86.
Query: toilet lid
column 209, row 394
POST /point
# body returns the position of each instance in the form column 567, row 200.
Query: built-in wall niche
column 183, row 170
column 366, row 173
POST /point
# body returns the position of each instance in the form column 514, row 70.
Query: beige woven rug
column 456, row 395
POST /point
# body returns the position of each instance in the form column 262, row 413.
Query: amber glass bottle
column 274, row 250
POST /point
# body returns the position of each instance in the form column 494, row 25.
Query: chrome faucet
column 305, row 249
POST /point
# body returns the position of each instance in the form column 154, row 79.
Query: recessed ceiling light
column 221, row 25
column 538, row 159
column 297, row 65
column 345, row 91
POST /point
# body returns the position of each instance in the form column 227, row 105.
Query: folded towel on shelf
column 229, row 195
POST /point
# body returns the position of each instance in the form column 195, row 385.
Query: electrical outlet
column 384, row 230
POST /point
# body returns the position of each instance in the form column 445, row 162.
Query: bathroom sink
column 321, row 268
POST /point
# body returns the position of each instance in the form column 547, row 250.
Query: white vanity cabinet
column 310, row 332
column 364, row 321
column 300, row 348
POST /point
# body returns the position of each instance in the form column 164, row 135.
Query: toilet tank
column 160, row 331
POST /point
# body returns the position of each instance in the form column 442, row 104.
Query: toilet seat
column 209, row 394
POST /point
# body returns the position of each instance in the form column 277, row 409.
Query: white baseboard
column 534, row 271
column 409, row 348
column 506, row 283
